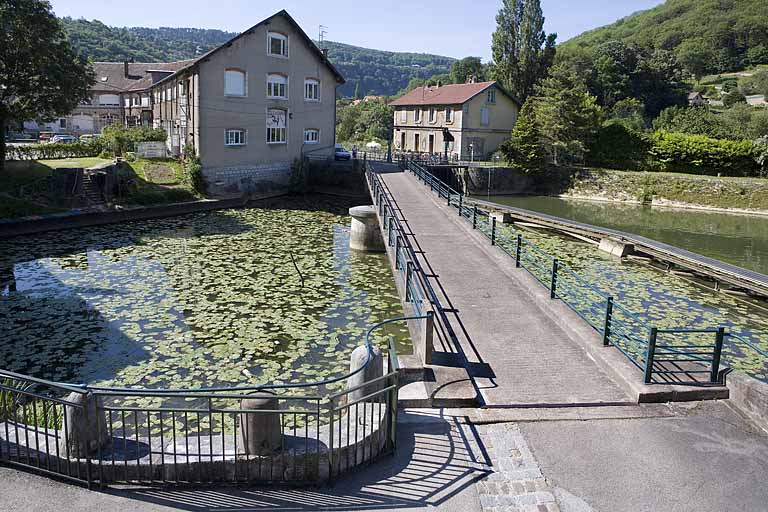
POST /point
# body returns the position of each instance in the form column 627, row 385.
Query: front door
column 402, row 141
column 416, row 143
column 431, row 143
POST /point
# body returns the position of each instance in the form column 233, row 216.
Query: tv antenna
column 322, row 30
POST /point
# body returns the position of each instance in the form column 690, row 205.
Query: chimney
column 325, row 53
column 125, row 68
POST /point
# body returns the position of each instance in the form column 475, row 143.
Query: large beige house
column 477, row 116
column 248, row 108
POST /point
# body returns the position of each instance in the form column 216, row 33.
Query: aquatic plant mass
column 270, row 294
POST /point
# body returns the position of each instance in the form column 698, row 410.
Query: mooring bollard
column 372, row 371
column 261, row 432
column 86, row 426
column 364, row 232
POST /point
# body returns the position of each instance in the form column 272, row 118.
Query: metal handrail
column 528, row 255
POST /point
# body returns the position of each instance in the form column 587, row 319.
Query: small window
column 277, row 44
column 485, row 116
column 404, row 116
column 417, row 115
column 277, row 87
column 432, row 115
column 492, row 96
column 234, row 138
column 109, row 100
column 276, row 126
column 127, row 102
column 311, row 90
column 448, row 114
column 234, row 83
column 311, row 136
column 145, row 101
column 62, row 123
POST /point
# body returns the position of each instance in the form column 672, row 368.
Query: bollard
column 373, row 370
column 86, row 426
column 261, row 432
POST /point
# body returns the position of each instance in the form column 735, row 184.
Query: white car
column 339, row 153
column 63, row 139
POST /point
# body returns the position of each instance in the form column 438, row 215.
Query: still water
column 201, row 300
column 738, row 239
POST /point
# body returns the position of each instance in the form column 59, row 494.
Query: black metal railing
column 664, row 355
column 103, row 435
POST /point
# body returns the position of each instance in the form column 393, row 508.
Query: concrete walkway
column 516, row 354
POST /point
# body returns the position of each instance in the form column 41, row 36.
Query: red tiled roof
column 444, row 95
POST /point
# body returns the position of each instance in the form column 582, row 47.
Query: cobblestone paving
column 516, row 484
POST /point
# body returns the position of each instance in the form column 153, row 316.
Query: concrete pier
column 364, row 230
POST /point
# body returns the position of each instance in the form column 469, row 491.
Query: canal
column 737, row 239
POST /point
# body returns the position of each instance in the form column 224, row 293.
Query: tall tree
column 40, row 75
column 523, row 150
column 522, row 51
column 463, row 69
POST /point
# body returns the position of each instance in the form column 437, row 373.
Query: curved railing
column 664, row 355
column 99, row 434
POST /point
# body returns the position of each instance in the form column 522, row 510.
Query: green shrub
column 193, row 170
column 120, row 140
column 54, row 151
column 698, row 154
column 619, row 147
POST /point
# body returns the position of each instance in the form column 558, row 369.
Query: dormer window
column 277, row 86
column 277, row 44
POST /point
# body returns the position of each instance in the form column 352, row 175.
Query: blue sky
column 410, row 25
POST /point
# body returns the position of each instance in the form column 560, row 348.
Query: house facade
column 248, row 108
column 473, row 118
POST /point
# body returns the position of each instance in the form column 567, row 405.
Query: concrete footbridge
column 513, row 326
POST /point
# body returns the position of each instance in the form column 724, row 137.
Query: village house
column 696, row 99
column 473, row 118
column 248, row 108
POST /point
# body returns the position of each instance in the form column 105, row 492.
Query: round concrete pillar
column 86, row 426
column 261, row 432
column 365, row 234
column 374, row 370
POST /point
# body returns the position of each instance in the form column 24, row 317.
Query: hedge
column 53, row 151
column 619, row 147
column 698, row 154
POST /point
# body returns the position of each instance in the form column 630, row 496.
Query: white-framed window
column 404, row 116
column 144, row 100
column 234, row 83
column 485, row 116
column 311, row 90
column 277, row 86
column 491, row 96
column 135, row 100
column 448, row 114
column 111, row 100
column 432, row 115
column 311, row 136
column 277, row 124
column 417, row 115
column 127, row 101
column 234, row 137
column 277, row 44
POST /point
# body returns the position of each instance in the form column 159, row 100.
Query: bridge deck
column 515, row 352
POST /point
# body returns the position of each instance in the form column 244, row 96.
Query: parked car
column 45, row 136
column 340, row 153
column 63, row 139
column 89, row 137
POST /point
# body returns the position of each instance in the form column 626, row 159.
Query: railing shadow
column 438, row 457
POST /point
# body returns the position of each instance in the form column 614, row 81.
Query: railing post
column 330, row 444
column 461, row 203
column 652, row 334
column 518, row 249
column 608, row 318
column 408, row 277
column 397, row 252
column 719, row 337
column 448, row 193
column 553, row 285
column 493, row 231
column 474, row 217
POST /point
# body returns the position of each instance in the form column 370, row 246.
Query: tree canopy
column 41, row 77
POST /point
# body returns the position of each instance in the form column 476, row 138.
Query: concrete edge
column 609, row 359
column 750, row 397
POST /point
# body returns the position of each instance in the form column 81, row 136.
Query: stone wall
column 254, row 181
column 476, row 180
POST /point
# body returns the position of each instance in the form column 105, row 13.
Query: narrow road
column 515, row 352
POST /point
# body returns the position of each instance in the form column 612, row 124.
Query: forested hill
column 707, row 36
column 369, row 71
